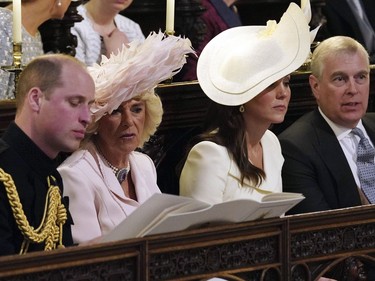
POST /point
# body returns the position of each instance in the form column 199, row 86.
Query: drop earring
column 59, row 3
column 241, row 108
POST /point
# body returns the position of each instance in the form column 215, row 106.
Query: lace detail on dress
column 31, row 47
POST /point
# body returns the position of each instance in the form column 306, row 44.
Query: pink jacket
column 97, row 202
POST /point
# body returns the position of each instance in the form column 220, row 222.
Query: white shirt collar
column 340, row 131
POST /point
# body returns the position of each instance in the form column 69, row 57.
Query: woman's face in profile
column 271, row 105
column 122, row 129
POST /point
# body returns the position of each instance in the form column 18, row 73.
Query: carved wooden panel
column 110, row 262
column 56, row 35
column 121, row 270
column 293, row 248
column 251, row 254
column 337, row 233
column 238, row 256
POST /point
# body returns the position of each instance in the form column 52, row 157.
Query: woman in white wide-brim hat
column 246, row 72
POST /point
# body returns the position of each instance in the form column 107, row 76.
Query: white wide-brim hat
column 240, row 62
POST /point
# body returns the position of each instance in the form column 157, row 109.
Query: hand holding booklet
column 166, row 213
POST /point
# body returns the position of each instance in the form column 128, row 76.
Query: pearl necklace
column 120, row 173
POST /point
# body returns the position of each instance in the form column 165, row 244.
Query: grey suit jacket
column 315, row 164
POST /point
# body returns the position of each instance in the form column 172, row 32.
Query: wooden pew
column 299, row 247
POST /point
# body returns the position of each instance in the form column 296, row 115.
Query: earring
column 59, row 3
column 241, row 108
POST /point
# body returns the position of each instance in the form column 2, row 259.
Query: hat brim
column 239, row 63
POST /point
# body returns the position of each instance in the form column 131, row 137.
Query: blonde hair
column 154, row 114
column 333, row 46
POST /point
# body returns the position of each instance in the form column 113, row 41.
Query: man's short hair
column 43, row 72
column 332, row 46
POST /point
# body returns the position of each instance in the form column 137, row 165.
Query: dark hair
column 225, row 126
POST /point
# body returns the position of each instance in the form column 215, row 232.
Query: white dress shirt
column 349, row 143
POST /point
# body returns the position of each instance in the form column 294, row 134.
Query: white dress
column 211, row 175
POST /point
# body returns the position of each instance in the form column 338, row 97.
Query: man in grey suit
column 320, row 148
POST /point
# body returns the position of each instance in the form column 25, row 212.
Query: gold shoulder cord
column 54, row 217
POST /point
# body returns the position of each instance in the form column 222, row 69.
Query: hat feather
column 136, row 69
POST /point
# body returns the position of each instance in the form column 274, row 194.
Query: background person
column 34, row 13
column 107, row 179
column 353, row 18
column 103, row 30
column 52, row 115
column 219, row 15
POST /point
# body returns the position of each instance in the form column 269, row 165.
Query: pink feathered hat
column 136, row 70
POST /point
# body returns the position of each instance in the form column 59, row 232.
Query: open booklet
column 163, row 213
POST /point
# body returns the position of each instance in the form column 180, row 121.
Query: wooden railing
column 301, row 247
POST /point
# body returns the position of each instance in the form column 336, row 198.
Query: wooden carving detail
column 123, row 270
column 330, row 241
column 237, row 255
column 300, row 272
column 56, row 35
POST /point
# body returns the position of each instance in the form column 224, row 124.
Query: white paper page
column 278, row 196
column 146, row 214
